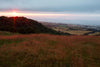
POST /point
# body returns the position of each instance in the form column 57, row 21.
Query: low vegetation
column 45, row 50
column 7, row 33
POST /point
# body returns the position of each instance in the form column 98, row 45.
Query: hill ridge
column 25, row 26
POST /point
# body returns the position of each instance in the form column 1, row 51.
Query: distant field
column 96, row 33
column 73, row 32
column 45, row 50
column 74, row 28
column 78, row 32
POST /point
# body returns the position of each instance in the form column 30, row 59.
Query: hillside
column 74, row 28
column 24, row 26
column 45, row 50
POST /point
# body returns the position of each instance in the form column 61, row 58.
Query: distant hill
column 25, row 26
column 74, row 29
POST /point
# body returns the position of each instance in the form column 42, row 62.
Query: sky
column 85, row 12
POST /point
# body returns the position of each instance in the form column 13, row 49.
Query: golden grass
column 96, row 33
column 78, row 32
column 74, row 32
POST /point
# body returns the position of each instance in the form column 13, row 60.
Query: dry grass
column 78, row 32
column 96, row 33
column 45, row 50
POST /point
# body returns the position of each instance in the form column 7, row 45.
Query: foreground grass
column 44, row 50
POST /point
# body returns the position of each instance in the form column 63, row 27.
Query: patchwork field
column 45, row 50
column 74, row 29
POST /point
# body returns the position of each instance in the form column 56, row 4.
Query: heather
column 46, row 50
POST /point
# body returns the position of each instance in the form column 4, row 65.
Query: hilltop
column 24, row 25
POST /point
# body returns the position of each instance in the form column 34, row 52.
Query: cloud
column 52, row 5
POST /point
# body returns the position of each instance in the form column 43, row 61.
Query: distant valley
column 74, row 29
column 24, row 25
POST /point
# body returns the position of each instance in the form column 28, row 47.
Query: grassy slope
column 44, row 50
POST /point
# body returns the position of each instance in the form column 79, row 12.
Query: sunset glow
column 54, row 16
column 15, row 14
